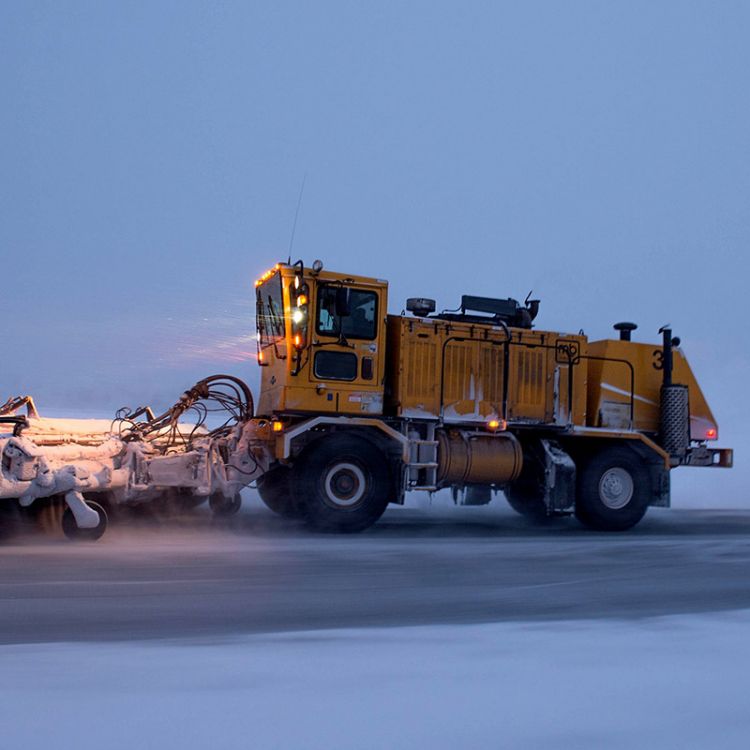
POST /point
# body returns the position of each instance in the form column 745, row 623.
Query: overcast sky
column 152, row 154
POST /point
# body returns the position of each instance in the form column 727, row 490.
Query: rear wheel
column 526, row 498
column 613, row 490
column 343, row 483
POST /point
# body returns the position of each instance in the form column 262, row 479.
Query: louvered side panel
column 420, row 368
column 530, row 395
column 456, row 372
column 460, row 386
column 491, row 377
column 416, row 394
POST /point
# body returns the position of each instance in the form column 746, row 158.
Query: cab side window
column 361, row 323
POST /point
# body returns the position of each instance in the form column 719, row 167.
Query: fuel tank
column 466, row 457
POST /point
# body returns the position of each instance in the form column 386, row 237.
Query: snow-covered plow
column 136, row 458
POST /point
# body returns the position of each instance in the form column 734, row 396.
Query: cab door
column 347, row 342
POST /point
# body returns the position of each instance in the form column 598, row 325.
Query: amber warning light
column 711, row 434
column 267, row 275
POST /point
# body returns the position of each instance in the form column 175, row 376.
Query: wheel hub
column 344, row 484
column 616, row 488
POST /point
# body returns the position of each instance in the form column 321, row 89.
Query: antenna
column 296, row 214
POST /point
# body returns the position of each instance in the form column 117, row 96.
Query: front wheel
column 613, row 490
column 343, row 484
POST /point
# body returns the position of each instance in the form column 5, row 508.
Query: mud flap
column 559, row 478
column 660, row 486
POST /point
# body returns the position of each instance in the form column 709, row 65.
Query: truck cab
column 321, row 341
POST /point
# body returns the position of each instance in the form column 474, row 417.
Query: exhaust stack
column 674, row 417
column 625, row 329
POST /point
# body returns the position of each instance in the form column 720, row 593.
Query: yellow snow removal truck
column 358, row 407
column 361, row 407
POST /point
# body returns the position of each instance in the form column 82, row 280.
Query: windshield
column 270, row 311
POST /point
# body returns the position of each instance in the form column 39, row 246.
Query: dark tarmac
column 194, row 577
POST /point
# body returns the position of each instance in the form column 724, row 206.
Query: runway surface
column 196, row 578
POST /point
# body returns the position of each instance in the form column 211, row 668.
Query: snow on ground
column 675, row 682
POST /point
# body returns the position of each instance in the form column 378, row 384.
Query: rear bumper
column 719, row 458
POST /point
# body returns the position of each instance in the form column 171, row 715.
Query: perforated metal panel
column 674, row 430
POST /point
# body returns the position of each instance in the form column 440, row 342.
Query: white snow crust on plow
column 131, row 461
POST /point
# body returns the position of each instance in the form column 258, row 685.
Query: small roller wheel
column 74, row 533
column 224, row 506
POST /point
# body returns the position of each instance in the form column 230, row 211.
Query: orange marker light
column 278, row 426
column 302, row 300
column 711, row 434
column 261, row 356
column 298, row 340
column 496, row 424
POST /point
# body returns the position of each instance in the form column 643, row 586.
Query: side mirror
column 343, row 302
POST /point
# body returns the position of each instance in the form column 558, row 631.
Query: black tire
column 343, row 484
column 74, row 533
column 105, row 500
column 526, row 498
column 276, row 491
column 224, row 506
column 186, row 501
column 613, row 490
